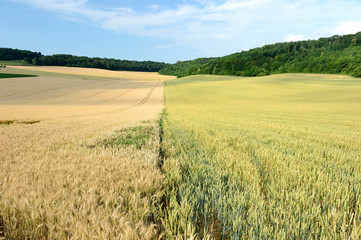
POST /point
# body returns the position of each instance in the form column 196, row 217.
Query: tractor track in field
column 181, row 95
column 142, row 102
column 90, row 95
column 36, row 93
column 69, row 92
column 121, row 94
column 14, row 93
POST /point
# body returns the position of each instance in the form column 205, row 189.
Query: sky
column 169, row 31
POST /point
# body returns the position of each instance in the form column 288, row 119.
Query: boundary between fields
column 2, row 234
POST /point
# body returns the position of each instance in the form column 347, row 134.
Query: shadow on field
column 8, row 122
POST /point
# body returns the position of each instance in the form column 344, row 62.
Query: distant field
column 91, row 72
column 14, row 63
column 79, row 154
column 275, row 157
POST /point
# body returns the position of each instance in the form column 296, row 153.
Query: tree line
column 36, row 58
column 16, row 54
column 337, row 54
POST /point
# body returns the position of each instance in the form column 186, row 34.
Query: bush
column 357, row 72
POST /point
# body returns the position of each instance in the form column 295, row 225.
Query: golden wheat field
column 63, row 174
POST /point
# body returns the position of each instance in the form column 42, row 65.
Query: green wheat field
column 276, row 157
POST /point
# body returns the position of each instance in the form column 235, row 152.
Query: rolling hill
column 336, row 55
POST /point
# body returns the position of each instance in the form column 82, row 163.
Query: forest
column 36, row 58
column 336, row 54
column 333, row 55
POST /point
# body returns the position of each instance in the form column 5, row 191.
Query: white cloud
column 349, row 27
column 218, row 27
column 154, row 6
column 66, row 6
column 293, row 38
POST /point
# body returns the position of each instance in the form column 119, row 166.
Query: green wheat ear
column 272, row 157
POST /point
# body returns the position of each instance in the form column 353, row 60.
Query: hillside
column 275, row 157
column 337, row 54
column 36, row 58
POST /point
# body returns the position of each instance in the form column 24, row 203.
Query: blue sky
column 169, row 30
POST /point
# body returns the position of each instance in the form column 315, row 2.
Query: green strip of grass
column 10, row 75
column 14, row 63
column 137, row 136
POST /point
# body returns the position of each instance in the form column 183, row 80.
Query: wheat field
column 63, row 175
column 85, row 155
column 276, row 157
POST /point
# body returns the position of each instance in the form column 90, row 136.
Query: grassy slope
column 9, row 75
column 268, row 157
